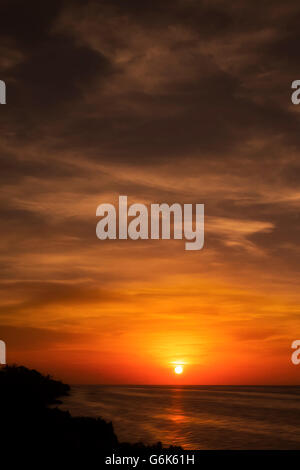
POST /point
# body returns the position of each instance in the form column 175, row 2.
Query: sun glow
column 178, row 370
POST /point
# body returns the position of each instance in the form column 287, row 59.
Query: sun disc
column 178, row 370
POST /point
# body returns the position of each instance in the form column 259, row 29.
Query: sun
column 178, row 370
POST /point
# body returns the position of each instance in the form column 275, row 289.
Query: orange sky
column 188, row 103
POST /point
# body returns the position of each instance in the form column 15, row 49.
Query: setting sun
column 178, row 370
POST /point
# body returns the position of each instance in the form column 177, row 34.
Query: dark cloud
column 209, row 110
column 58, row 71
column 32, row 339
column 28, row 23
column 15, row 168
column 209, row 20
column 52, row 73
column 38, row 294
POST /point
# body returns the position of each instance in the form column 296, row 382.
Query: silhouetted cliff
column 31, row 425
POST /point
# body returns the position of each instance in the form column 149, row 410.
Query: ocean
column 195, row 417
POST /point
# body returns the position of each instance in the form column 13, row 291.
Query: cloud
column 23, row 338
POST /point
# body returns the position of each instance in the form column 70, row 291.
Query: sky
column 176, row 101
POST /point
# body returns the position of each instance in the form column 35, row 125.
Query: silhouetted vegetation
column 30, row 424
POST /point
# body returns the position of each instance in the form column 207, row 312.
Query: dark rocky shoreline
column 31, row 421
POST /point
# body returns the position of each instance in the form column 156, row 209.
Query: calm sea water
column 209, row 417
